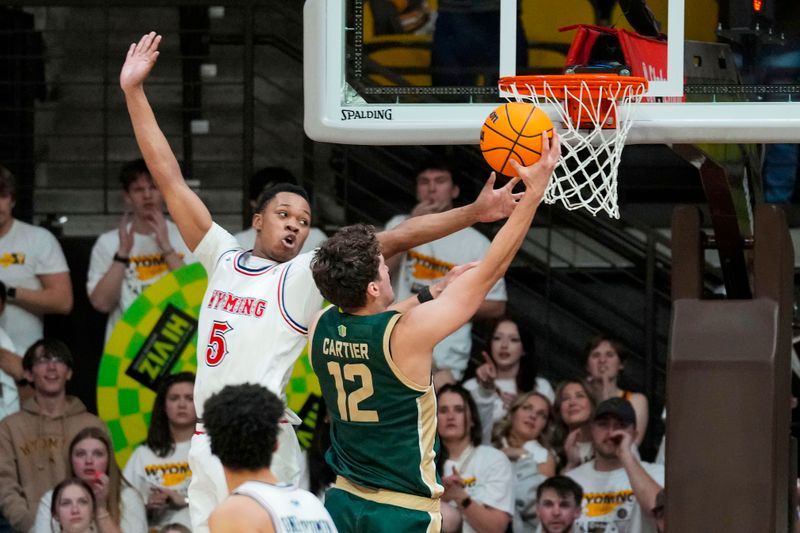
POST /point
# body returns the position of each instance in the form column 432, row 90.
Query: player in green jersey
column 373, row 360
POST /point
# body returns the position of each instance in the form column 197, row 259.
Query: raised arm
column 424, row 326
column 490, row 205
column 186, row 208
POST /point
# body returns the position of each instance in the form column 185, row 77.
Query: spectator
column 263, row 179
column 573, row 410
column 619, row 490
column 144, row 247
column 477, row 479
column 558, row 504
column 426, row 264
column 33, row 442
column 33, row 270
column 605, row 360
column 118, row 507
column 159, row 468
column 523, row 436
column 73, row 506
column 242, row 424
column 508, row 369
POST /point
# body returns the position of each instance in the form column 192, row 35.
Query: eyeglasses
column 47, row 359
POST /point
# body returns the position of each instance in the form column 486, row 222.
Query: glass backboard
column 720, row 71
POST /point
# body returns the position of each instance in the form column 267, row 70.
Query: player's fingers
column 513, row 182
column 131, row 48
column 490, row 182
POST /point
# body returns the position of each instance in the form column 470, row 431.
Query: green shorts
column 353, row 514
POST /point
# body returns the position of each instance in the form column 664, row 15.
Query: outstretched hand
column 139, row 62
column 496, row 204
column 537, row 176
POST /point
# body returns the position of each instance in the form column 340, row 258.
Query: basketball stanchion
column 595, row 112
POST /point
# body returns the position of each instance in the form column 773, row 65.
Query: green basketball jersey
column 383, row 426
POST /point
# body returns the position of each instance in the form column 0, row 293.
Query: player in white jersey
column 242, row 423
column 258, row 304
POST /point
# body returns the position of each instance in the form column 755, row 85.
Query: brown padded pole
column 728, row 466
column 687, row 253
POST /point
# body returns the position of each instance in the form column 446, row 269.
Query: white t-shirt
column 292, row 510
column 133, row 518
column 145, row 469
column 487, row 476
column 490, row 405
column 527, row 479
column 427, row 264
column 146, row 266
column 9, row 397
column 27, row 252
column 609, row 505
column 315, row 237
column 254, row 318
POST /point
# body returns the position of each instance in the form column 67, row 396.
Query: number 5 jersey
column 254, row 318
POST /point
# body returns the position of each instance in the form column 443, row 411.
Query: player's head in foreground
column 350, row 272
column 242, row 424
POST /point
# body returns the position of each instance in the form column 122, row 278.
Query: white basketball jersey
column 292, row 510
column 254, row 319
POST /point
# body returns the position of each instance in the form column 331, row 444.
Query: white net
column 596, row 118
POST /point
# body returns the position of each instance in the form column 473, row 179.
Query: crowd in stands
column 515, row 453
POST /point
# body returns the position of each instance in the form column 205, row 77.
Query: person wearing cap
column 34, row 441
column 619, row 490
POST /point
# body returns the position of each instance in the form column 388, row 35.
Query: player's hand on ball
column 139, row 62
column 537, row 176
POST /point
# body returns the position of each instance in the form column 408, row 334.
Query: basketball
column 514, row 131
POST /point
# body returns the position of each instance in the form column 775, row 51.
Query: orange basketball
column 514, row 131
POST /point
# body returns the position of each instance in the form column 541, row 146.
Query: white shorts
column 208, row 486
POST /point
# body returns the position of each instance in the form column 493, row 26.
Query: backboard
column 375, row 76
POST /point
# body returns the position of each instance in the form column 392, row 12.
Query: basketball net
column 595, row 112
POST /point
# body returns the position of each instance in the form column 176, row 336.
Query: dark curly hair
column 159, row 438
column 242, row 423
column 345, row 264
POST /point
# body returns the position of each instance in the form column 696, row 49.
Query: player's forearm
column 153, row 144
column 56, row 300
column 106, row 293
column 491, row 309
column 185, row 207
column 507, row 242
column 423, row 229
